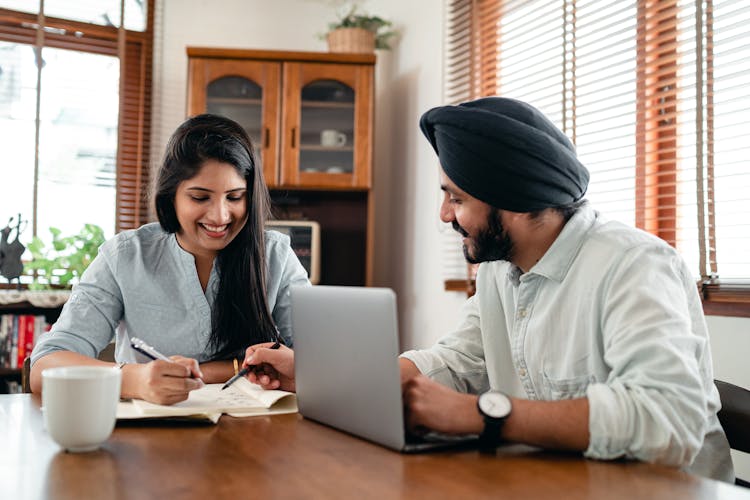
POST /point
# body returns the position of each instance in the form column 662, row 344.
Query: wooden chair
column 735, row 418
column 108, row 354
column 25, row 371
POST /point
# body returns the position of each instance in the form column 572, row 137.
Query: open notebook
column 241, row 399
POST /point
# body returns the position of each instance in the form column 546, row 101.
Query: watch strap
column 489, row 438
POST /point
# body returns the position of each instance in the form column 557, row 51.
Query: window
column 75, row 106
column 656, row 97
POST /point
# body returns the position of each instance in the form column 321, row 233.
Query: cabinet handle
column 267, row 141
column 294, row 136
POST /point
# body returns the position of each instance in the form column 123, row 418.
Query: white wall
column 408, row 82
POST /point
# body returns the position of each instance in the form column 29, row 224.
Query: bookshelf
column 24, row 316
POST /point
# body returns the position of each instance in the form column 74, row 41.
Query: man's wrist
column 476, row 420
column 407, row 368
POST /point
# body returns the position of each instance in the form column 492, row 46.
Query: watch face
column 494, row 404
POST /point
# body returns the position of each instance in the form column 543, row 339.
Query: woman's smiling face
column 211, row 208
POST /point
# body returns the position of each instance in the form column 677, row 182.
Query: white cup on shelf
column 80, row 405
column 332, row 138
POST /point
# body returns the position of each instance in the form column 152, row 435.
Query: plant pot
column 357, row 40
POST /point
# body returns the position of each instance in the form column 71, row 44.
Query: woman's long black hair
column 241, row 315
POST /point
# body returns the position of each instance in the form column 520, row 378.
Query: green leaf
column 69, row 254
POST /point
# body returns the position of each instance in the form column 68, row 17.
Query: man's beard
column 492, row 243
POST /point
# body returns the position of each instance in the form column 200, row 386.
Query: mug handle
column 341, row 139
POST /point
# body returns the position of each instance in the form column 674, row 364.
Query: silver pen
column 149, row 351
column 146, row 349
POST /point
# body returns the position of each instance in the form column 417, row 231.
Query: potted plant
column 355, row 32
column 65, row 261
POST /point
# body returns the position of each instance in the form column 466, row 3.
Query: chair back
column 735, row 417
column 108, row 354
column 25, row 371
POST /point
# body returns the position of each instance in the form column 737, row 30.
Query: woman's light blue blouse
column 143, row 284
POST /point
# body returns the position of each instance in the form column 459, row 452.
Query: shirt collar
column 558, row 258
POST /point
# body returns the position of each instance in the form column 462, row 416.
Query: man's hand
column 274, row 368
column 162, row 382
column 430, row 405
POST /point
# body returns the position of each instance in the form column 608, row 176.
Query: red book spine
column 30, row 329
column 21, row 342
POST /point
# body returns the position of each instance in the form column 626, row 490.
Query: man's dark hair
column 567, row 211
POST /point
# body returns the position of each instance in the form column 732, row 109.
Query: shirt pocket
column 556, row 388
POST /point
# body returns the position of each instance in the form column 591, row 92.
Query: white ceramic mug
column 332, row 137
column 80, row 405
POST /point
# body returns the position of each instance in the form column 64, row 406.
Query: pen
column 149, row 351
column 247, row 369
column 146, row 349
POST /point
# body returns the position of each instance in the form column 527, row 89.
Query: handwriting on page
column 243, row 397
column 234, row 398
column 211, row 396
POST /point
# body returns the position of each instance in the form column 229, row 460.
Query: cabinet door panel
column 326, row 138
column 245, row 91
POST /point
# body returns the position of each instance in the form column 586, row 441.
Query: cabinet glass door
column 239, row 99
column 248, row 93
column 327, row 128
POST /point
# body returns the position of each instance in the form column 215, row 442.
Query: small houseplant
column 355, row 32
column 66, row 259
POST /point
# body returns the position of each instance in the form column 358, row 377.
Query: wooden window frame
column 135, row 51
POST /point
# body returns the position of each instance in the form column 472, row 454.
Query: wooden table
column 286, row 456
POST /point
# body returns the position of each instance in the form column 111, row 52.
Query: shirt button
column 522, row 372
column 522, row 313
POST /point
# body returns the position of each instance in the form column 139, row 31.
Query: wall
column 408, row 82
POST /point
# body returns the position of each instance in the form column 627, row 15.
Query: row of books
column 11, row 387
column 18, row 335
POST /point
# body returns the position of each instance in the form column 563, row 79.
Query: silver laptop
column 346, row 365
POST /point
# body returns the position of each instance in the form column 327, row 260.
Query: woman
column 199, row 286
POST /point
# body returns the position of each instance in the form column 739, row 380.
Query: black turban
column 505, row 153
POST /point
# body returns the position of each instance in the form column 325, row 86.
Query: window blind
column 460, row 84
column 134, row 130
column 655, row 95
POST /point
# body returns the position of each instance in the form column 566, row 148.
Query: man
column 583, row 334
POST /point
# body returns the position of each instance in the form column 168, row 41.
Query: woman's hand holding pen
column 162, row 382
column 274, row 368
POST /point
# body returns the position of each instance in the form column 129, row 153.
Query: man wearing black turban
column 583, row 334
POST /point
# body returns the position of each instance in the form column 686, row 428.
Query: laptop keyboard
column 436, row 437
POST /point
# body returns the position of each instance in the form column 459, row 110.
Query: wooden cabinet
column 310, row 116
